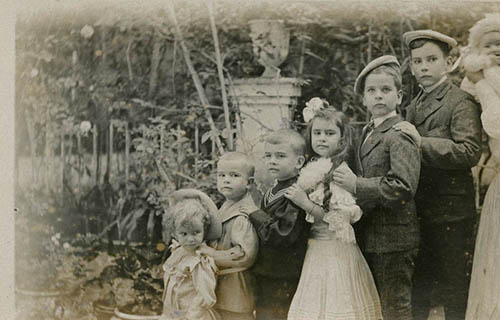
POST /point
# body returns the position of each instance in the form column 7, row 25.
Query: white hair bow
column 312, row 107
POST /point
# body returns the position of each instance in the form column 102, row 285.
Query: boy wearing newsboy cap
column 447, row 119
column 387, row 169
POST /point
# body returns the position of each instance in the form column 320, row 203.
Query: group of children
column 404, row 184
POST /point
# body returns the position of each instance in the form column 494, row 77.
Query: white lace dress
column 484, row 292
column 336, row 282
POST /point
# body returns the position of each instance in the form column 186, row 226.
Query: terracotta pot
column 103, row 312
column 127, row 316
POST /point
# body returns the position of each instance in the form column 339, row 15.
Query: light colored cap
column 380, row 61
column 215, row 230
column 409, row 36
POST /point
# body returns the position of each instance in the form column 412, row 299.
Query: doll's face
column 190, row 234
column 490, row 46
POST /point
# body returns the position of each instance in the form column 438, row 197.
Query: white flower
column 34, row 72
column 312, row 106
column 55, row 240
column 85, row 127
column 66, row 246
column 87, row 31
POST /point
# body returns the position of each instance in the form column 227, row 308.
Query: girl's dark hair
column 346, row 150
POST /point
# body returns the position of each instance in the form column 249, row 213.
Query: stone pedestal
column 265, row 105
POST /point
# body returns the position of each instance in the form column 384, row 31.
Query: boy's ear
column 400, row 96
column 364, row 101
column 300, row 162
column 251, row 180
column 449, row 63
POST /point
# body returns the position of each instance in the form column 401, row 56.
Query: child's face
column 325, row 137
column 281, row 161
column 490, row 46
column 190, row 234
column 428, row 64
column 232, row 180
column 380, row 95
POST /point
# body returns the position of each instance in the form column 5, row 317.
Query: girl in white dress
column 335, row 282
column 190, row 276
column 481, row 63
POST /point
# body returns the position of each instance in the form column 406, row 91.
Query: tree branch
column 194, row 75
column 210, row 6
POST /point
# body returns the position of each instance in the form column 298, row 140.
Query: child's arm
column 400, row 182
column 490, row 101
column 245, row 243
column 282, row 227
column 222, row 257
column 298, row 196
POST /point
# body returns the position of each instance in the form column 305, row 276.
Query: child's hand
column 475, row 77
column 297, row 195
column 345, row 178
column 410, row 130
column 208, row 251
column 236, row 252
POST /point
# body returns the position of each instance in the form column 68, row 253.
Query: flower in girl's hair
column 313, row 106
column 313, row 173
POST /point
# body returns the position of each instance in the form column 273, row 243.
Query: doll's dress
column 336, row 282
column 189, row 286
column 484, row 297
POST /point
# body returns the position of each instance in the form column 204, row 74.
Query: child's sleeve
column 243, row 234
column 343, row 211
column 283, row 227
column 400, row 182
column 204, row 281
column 488, row 91
column 463, row 148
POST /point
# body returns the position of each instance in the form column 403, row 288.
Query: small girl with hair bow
column 190, row 277
column 335, row 282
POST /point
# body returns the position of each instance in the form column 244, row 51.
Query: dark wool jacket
column 388, row 168
column 448, row 120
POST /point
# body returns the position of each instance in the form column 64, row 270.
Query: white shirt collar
column 434, row 86
column 379, row 120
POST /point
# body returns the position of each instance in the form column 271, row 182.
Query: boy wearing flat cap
column 447, row 119
column 387, row 167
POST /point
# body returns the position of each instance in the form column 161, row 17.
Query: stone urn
column 270, row 41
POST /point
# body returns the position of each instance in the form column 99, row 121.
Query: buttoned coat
column 388, row 167
column 448, row 120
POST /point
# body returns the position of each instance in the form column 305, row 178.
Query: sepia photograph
column 267, row 159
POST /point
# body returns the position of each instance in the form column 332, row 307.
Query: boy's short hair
column 390, row 69
column 418, row 43
column 291, row 137
column 241, row 158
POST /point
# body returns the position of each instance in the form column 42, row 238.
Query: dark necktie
column 421, row 97
column 368, row 130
